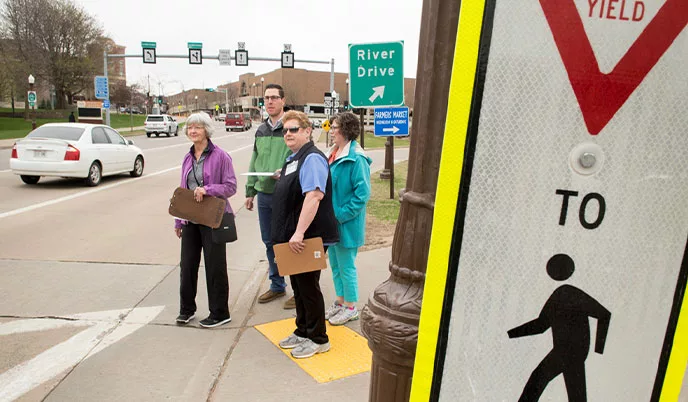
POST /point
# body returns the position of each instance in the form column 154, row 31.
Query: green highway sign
column 195, row 45
column 376, row 74
column 148, row 45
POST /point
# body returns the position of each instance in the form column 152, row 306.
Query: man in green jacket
column 269, row 154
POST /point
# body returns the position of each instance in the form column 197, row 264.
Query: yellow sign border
column 461, row 91
column 466, row 51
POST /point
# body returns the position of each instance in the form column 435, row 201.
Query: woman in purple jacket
column 208, row 171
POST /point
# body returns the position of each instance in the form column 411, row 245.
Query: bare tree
column 56, row 40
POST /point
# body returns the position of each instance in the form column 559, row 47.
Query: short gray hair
column 200, row 118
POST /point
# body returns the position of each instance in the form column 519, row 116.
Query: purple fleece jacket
column 218, row 175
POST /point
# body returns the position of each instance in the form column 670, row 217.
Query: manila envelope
column 312, row 258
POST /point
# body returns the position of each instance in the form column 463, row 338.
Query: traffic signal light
column 261, row 103
column 210, row 89
column 346, row 105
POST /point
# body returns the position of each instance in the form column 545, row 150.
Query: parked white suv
column 161, row 124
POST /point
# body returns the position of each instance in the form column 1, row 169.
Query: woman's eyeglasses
column 292, row 130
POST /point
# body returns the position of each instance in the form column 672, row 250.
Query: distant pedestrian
column 350, row 170
column 269, row 154
column 72, row 118
column 208, row 171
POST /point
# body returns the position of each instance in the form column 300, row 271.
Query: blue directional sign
column 391, row 121
column 106, row 104
column 100, row 82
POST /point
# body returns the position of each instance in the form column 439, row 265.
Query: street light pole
column 33, row 107
column 390, row 318
column 262, row 79
column 196, row 99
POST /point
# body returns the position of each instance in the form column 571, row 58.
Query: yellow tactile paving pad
column 349, row 353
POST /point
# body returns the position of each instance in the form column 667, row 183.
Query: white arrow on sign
column 105, row 329
column 393, row 130
column 377, row 92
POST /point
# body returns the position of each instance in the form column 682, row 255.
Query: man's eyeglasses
column 272, row 98
column 292, row 130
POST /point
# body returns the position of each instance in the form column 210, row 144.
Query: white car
column 80, row 150
column 161, row 124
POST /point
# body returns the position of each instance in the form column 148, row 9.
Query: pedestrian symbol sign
column 558, row 261
column 376, row 74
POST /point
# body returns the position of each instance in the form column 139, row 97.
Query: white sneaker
column 334, row 309
column 291, row 341
column 308, row 349
column 344, row 316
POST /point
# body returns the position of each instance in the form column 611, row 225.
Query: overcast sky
column 317, row 30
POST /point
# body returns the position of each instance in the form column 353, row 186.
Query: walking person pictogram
column 566, row 312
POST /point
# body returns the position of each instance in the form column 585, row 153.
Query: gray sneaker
column 344, row 316
column 308, row 349
column 334, row 309
column 291, row 341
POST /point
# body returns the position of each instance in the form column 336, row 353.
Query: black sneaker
column 212, row 322
column 185, row 318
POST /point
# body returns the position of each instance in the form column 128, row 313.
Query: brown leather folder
column 312, row 258
column 207, row 212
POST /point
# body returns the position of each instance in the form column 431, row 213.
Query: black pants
column 197, row 238
column 310, row 307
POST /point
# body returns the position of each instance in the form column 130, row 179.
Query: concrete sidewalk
column 257, row 370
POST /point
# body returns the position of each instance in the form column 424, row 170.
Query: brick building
column 301, row 87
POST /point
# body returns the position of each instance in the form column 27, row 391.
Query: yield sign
column 102, row 329
column 600, row 95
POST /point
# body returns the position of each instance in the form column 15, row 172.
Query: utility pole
column 390, row 318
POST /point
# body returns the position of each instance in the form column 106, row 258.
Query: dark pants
column 310, row 307
column 277, row 283
column 197, row 238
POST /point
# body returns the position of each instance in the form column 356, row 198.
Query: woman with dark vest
column 302, row 209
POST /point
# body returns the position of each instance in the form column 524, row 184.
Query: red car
column 240, row 121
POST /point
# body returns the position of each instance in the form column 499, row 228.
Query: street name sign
column 376, row 74
column 391, row 122
column 100, row 83
column 225, row 57
column 558, row 260
column 149, row 52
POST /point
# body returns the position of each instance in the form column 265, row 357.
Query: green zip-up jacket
column 269, row 154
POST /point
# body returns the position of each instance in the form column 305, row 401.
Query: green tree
column 54, row 39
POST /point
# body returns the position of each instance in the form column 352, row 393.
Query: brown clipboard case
column 208, row 212
column 312, row 258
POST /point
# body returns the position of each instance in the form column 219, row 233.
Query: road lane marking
column 97, row 190
column 105, row 329
column 187, row 144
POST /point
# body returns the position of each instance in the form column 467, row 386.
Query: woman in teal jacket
column 350, row 171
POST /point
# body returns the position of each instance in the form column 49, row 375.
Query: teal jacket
column 350, row 193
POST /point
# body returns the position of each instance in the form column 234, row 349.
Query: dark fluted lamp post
column 390, row 318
